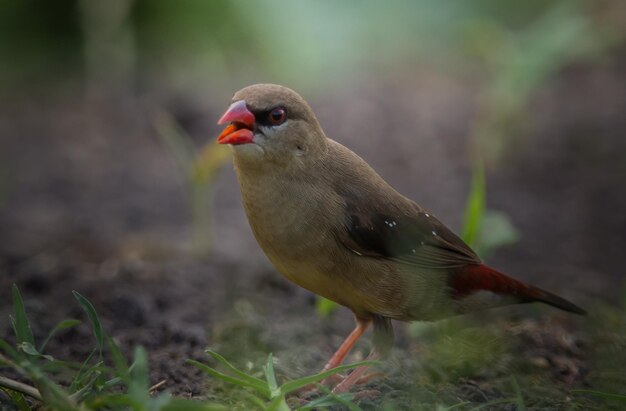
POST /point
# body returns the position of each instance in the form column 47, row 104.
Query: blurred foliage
column 461, row 349
column 485, row 230
column 316, row 44
column 475, row 206
column 519, row 63
column 325, row 307
column 607, row 328
column 200, row 169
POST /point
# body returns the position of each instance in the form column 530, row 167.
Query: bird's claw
column 336, row 381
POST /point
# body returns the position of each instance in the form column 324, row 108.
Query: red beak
column 241, row 120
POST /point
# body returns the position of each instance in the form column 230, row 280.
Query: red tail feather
column 473, row 278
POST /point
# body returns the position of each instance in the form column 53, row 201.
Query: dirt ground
column 91, row 200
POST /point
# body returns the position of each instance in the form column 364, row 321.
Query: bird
column 329, row 223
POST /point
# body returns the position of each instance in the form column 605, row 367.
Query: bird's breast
column 291, row 221
column 296, row 221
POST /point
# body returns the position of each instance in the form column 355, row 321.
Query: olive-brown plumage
column 332, row 225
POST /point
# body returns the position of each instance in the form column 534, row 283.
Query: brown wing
column 408, row 235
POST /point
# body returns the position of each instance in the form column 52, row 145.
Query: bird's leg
column 356, row 375
column 339, row 356
column 346, row 346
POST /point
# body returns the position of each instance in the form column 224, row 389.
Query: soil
column 92, row 201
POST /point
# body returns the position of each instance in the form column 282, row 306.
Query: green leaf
column 118, row 359
column 139, row 376
column 324, row 307
column 497, row 231
column 252, row 380
column 93, row 318
column 175, row 138
column 263, row 390
column 278, row 404
column 330, row 399
column 302, row 382
column 475, row 207
column 157, row 403
column 59, row 327
column 181, row 404
column 20, row 322
column 459, row 405
column 87, row 389
column 17, row 399
column 7, row 348
column 270, row 376
column 53, row 395
column 605, row 395
column 81, row 374
column 494, row 402
column 519, row 398
column 30, row 350
column 113, row 400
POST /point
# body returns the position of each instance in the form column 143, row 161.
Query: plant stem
column 20, row 387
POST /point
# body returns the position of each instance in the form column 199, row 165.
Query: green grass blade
column 235, row 370
column 173, row 136
column 112, row 382
column 475, row 207
column 254, row 400
column 8, row 349
column 110, row 401
column 278, row 404
column 270, row 376
column 325, row 307
column 93, row 318
column 157, row 401
column 53, row 395
column 17, row 399
column 519, row 398
column 139, row 376
column 65, row 324
column 181, row 404
column 330, row 399
column 78, row 377
column 20, row 322
column 121, row 367
column 604, row 395
column 302, row 382
column 459, row 405
column 86, row 390
column 13, row 386
column 28, row 348
column 261, row 389
column 492, row 403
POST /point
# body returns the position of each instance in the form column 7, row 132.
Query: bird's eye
column 277, row 116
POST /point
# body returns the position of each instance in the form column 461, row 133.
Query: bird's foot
column 338, row 381
column 357, row 377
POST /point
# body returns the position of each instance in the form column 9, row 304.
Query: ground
column 91, row 200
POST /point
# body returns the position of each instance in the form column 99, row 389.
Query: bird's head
column 268, row 123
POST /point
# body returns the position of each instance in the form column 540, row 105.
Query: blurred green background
column 195, row 45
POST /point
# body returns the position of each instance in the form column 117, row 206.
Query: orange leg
column 355, row 376
column 344, row 349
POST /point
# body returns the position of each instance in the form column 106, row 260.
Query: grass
column 271, row 396
column 95, row 384
column 483, row 352
column 199, row 168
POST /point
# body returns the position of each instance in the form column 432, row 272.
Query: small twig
column 156, row 386
column 20, row 387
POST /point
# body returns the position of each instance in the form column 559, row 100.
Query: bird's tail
column 474, row 278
